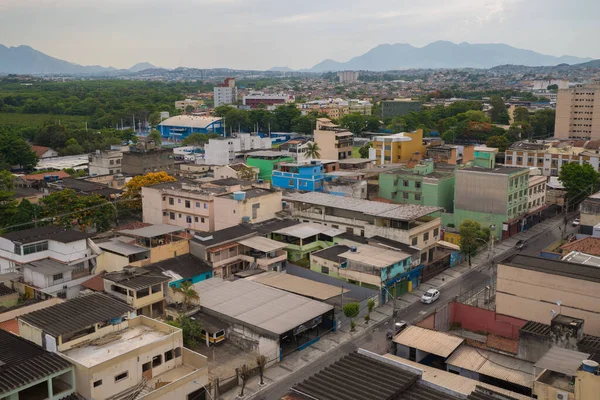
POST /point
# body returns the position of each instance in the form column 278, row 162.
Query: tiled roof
column 39, row 150
column 76, row 314
column 40, row 177
column 139, row 278
column 96, row 283
column 24, row 362
column 12, row 325
column 589, row 245
column 50, row 232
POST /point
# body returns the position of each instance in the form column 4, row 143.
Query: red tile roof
column 39, row 150
column 96, row 283
column 11, row 326
column 589, row 245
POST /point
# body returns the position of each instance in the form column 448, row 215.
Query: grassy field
column 29, row 120
column 355, row 153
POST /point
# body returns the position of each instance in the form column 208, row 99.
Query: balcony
column 265, row 262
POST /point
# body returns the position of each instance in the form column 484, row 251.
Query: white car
column 576, row 222
column 430, row 296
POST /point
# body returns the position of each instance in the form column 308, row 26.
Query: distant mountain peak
column 141, row 66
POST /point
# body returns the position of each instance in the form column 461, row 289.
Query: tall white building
column 226, row 92
column 348, row 76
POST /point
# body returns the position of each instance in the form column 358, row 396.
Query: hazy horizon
column 268, row 33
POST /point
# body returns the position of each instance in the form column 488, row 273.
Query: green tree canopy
column 8, row 206
column 14, row 150
column 580, row 181
column 521, row 114
column 500, row 142
column 72, row 147
column 312, row 150
column 364, row 150
column 195, row 139
column 472, row 236
column 156, row 136
column 71, row 210
column 499, row 113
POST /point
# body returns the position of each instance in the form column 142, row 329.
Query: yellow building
column 335, row 143
column 398, row 147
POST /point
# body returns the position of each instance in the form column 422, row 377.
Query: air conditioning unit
column 560, row 395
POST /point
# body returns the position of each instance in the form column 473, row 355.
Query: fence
column 477, row 296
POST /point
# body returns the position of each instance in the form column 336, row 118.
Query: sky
column 260, row 34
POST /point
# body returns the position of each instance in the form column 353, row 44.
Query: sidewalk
column 332, row 340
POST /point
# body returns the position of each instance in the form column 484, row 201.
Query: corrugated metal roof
column 262, row 244
column 298, row 285
column 536, row 328
column 307, row 229
column 492, row 364
column 562, row 360
column 438, row 343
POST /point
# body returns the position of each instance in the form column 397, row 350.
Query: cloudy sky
column 261, row 34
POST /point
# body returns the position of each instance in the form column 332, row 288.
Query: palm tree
column 189, row 293
column 312, row 150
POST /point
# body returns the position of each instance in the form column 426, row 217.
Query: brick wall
column 484, row 321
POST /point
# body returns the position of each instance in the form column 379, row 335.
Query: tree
column 472, row 235
column 14, row 150
column 542, row 122
column 261, row 363
column 8, row 206
column 246, row 173
column 236, row 120
column 186, row 289
column 521, row 114
column 244, row 376
column 498, row 113
column 364, row 150
column 312, row 150
column 189, row 108
column 373, row 124
column 156, row 136
column 69, row 209
column 580, row 181
column 355, row 123
column 72, row 147
column 195, row 139
column 501, row 142
column 285, row 116
column 25, row 215
column 132, row 191
column 351, row 310
column 553, row 87
column 191, row 330
column 370, row 307
column 128, row 136
column 154, row 118
column 222, row 110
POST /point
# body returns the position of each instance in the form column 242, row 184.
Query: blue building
column 181, row 126
column 308, row 177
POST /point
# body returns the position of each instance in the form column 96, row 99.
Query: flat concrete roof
column 375, row 256
column 307, row 229
column 271, row 310
column 295, row 284
column 262, row 244
column 561, row 360
column 122, row 248
column 152, row 230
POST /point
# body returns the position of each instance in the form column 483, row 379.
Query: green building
column 399, row 107
column 423, row 185
column 485, row 157
column 265, row 161
column 492, row 196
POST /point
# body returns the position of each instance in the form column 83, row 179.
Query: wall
column 30, row 333
column 532, row 295
column 266, row 166
column 230, row 212
column 30, row 308
column 478, row 319
column 326, row 141
column 9, row 300
column 110, row 262
column 484, row 219
column 152, row 213
column 169, row 250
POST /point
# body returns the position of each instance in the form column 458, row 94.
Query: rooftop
column 499, row 171
column 262, row 243
column 5, row 290
column 136, row 278
column 403, row 212
column 190, row 121
column 114, row 345
column 152, row 231
column 50, row 232
column 589, row 245
column 76, row 314
column 375, row 256
column 252, row 193
column 582, row 258
column 434, row 342
column 181, row 267
column 271, row 225
column 269, row 153
column 48, row 266
column 331, row 253
column 122, row 248
column 257, row 305
column 223, row 236
column 24, row 362
column 306, row 229
column 295, row 284
column 554, row 267
column 382, row 241
column 562, row 360
column 40, row 177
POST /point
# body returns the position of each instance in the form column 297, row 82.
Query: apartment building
column 258, row 99
column 68, row 247
column 575, row 113
column 497, row 197
column 537, row 193
column 116, row 354
column 105, row 162
column 295, row 176
column 225, row 150
column 225, row 93
column 50, row 278
column 399, row 107
column 266, row 161
column 550, row 156
column 335, row 143
column 348, row 76
column 146, row 157
column 397, row 148
column 414, row 225
column 181, row 105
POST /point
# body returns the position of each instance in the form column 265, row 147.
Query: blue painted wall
column 194, row 279
column 309, row 177
column 181, row 132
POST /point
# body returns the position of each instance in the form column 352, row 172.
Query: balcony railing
column 280, row 255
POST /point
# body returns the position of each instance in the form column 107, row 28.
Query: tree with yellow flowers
column 132, row 192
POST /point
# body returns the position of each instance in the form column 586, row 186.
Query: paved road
column 375, row 339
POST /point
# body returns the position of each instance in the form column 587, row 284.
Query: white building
column 68, row 247
column 182, row 104
column 105, row 162
column 223, row 151
column 348, row 76
column 54, row 278
column 225, row 93
column 537, row 191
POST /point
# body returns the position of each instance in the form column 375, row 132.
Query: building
column 225, row 93
column 225, row 150
column 451, row 154
column 181, row 126
column 105, row 162
column 397, row 148
column 589, row 214
column 44, row 152
column 399, row 107
column 537, row 193
column 496, row 197
column 485, row 157
column 335, row 143
column 550, row 156
column 347, row 76
column 425, row 345
column 252, row 205
column 302, row 239
column 274, row 321
column 537, row 289
column 346, row 183
column 140, row 288
column 235, row 171
column 266, row 160
column 185, row 268
column 361, row 107
column 262, row 99
column 30, row 372
column 50, row 278
column 406, row 223
column 84, row 188
column 145, row 157
column 68, row 247
column 575, row 113
column 422, row 185
column 296, row 176
column 182, row 105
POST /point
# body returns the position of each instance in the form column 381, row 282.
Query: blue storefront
column 400, row 284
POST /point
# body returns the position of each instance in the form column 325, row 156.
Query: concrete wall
column 478, row 319
column 169, row 250
column 151, row 199
column 229, row 212
column 110, row 262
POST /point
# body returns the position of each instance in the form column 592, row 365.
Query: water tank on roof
column 353, row 249
column 246, row 219
column 239, row 196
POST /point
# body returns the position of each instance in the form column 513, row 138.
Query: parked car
column 576, row 222
column 430, row 296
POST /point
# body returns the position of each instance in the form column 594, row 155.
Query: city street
column 374, row 339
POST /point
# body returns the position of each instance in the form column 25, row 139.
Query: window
column 168, row 355
column 414, row 241
column 35, row 248
column 121, row 376
column 142, row 293
column 18, row 249
column 98, row 383
column 110, row 171
column 178, row 201
column 112, row 162
column 405, row 195
column 417, row 196
column 426, row 236
column 195, row 219
column 325, row 270
column 418, row 185
column 172, row 215
column 335, row 226
column 146, row 366
column 61, row 295
column 188, row 204
column 177, row 352
column 436, row 232
column 157, row 288
column 202, row 220
column 171, row 201
column 519, row 159
column 405, row 183
column 57, row 277
column 350, row 230
column 179, row 215
column 156, row 361
column 198, row 204
column 291, row 182
column 188, row 219
column 509, row 198
column 205, row 205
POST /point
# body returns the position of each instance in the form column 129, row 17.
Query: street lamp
column 393, row 305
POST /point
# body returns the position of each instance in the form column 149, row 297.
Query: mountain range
column 443, row 54
column 385, row 57
column 26, row 60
